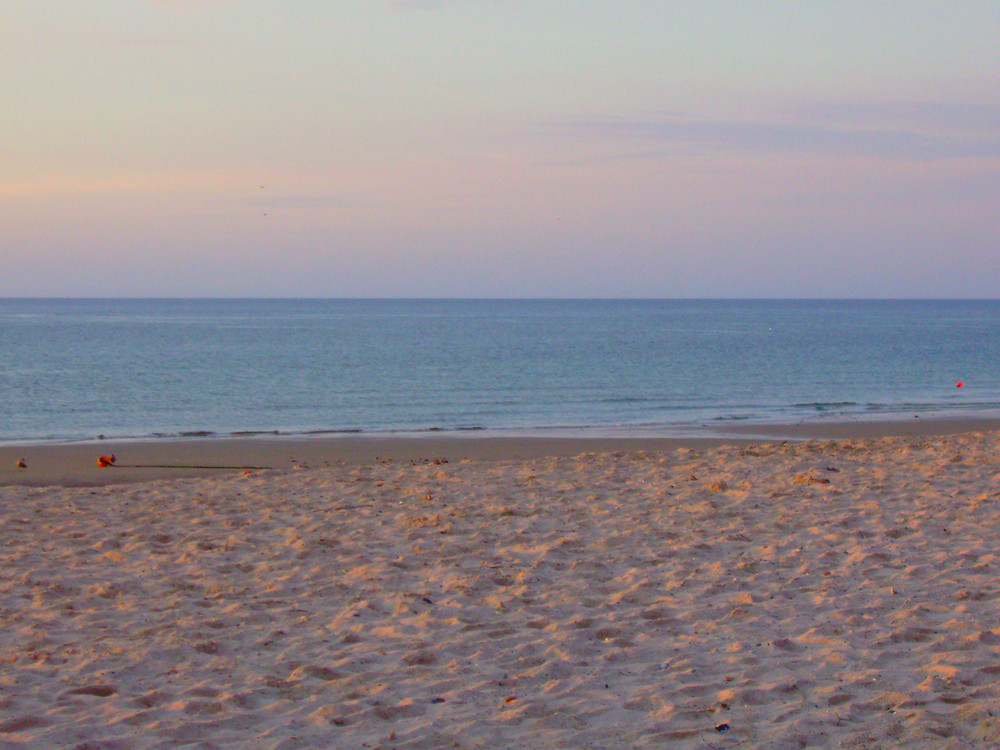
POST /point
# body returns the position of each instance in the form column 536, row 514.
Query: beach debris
column 247, row 471
column 106, row 460
column 721, row 728
column 21, row 463
column 809, row 478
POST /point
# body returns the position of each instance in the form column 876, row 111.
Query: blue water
column 79, row 369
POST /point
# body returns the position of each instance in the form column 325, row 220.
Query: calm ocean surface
column 78, row 369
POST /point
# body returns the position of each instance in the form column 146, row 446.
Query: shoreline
column 141, row 460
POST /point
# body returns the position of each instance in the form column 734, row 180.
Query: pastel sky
column 500, row 148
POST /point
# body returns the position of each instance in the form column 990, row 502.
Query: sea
column 87, row 369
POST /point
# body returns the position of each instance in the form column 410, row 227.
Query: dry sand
column 815, row 594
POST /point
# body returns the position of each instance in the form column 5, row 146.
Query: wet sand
column 75, row 464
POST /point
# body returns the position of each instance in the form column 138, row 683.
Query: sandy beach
column 490, row 593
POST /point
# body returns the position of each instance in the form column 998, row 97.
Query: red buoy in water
column 958, row 384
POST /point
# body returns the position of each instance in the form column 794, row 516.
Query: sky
column 500, row 148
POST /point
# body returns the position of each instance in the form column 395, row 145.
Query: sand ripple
column 837, row 594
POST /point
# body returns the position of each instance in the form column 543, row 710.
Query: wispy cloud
column 296, row 202
column 952, row 116
column 889, row 130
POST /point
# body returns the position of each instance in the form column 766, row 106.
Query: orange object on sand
column 106, row 460
column 22, row 464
